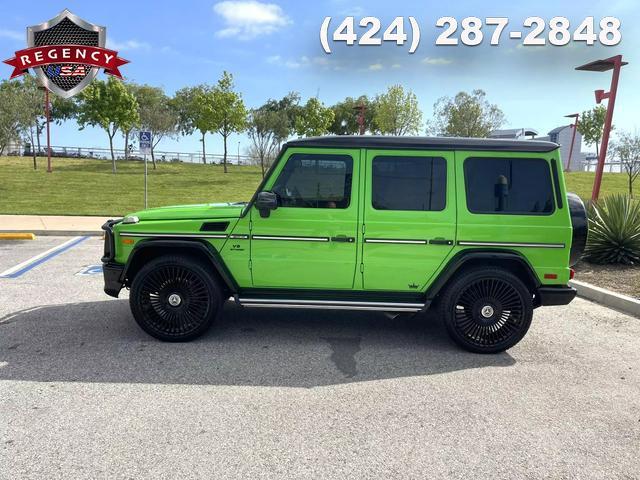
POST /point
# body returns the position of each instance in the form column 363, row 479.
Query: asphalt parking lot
column 294, row 394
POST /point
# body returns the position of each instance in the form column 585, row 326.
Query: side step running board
column 330, row 304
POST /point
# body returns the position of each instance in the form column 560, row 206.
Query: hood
column 186, row 212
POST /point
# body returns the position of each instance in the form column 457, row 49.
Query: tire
column 487, row 310
column 174, row 299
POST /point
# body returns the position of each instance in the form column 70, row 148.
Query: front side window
column 315, row 181
column 508, row 186
column 409, row 183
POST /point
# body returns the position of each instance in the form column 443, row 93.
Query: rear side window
column 508, row 186
column 409, row 183
column 315, row 181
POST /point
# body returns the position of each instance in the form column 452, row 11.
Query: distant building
column 515, row 133
column 561, row 135
column 14, row 147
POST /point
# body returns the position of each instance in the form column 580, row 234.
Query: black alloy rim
column 175, row 300
column 488, row 312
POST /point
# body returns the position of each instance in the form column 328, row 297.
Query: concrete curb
column 608, row 298
column 61, row 233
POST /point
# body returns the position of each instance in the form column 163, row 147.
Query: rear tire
column 487, row 310
column 174, row 299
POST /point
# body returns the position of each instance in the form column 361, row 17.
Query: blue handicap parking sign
column 145, row 142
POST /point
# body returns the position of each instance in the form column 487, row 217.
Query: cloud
column 13, row 34
column 127, row 45
column 437, row 61
column 302, row 62
column 289, row 63
column 375, row 66
column 247, row 19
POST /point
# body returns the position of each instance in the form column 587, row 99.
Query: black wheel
column 487, row 310
column 175, row 299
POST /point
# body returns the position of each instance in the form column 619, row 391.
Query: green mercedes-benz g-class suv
column 483, row 229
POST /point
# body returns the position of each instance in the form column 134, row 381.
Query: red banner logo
column 64, row 54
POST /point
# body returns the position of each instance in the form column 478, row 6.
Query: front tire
column 173, row 298
column 487, row 310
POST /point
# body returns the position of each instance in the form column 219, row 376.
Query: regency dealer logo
column 66, row 53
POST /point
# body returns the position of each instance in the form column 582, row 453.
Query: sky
column 273, row 47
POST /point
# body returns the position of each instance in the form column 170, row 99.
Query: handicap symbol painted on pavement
column 90, row 270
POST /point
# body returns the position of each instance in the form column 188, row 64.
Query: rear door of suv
column 409, row 217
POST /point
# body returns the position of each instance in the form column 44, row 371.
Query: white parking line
column 27, row 265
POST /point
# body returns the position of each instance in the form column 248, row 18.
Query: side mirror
column 265, row 202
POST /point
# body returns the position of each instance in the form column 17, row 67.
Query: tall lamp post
column 615, row 64
column 47, row 111
column 573, row 138
column 360, row 109
column 47, row 116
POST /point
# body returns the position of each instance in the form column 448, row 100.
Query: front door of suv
column 409, row 215
column 310, row 240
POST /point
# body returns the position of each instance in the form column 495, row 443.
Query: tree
column 465, row 115
column 267, row 128
column 13, row 117
column 194, row 107
column 345, row 121
column 627, row 149
column 314, row 119
column 33, row 105
column 63, row 109
column 156, row 115
column 591, row 125
column 397, row 112
column 229, row 111
column 290, row 106
column 129, row 129
column 31, row 101
column 110, row 106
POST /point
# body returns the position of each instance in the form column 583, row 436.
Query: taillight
column 572, row 273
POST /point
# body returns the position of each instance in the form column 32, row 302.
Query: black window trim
column 556, row 182
column 521, row 214
column 398, row 154
column 345, row 154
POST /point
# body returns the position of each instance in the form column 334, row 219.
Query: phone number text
column 470, row 31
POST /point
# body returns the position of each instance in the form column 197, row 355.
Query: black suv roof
column 424, row 143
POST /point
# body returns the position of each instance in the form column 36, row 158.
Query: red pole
column 617, row 64
column 573, row 141
column 46, row 112
column 361, row 109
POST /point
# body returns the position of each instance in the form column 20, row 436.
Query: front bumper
column 563, row 295
column 112, row 273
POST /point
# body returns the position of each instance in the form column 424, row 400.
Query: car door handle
column 343, row 239
column 440, row 241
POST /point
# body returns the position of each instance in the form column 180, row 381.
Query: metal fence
column 160, row 155
column 589, row 163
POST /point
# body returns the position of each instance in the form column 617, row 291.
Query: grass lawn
column 87, row 187
column 582, row 183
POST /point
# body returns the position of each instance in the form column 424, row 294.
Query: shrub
column 614, row 231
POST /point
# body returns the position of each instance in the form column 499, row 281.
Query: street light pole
column 48, row 119
column 360, row 109
column 573, row 138
column 615, row 64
